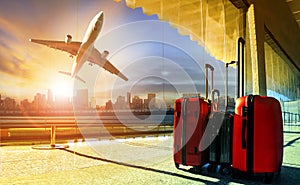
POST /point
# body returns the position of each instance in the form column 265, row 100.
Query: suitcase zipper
column 183, row 140
column 250, row 134
column 244, row 124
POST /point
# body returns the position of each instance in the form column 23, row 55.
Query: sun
column 62, row 89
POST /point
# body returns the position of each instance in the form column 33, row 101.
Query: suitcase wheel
column 279, row 171
column 177, row 165
column 212, row 167
column 234, row 173
column 268, row 178
column 196, row 169
column 225, row 169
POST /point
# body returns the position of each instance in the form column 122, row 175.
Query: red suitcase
column 190, row 120
column 257, row 143
column 257, row 135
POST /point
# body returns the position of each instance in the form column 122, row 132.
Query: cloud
column 14, row 55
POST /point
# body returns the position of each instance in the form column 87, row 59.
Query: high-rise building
column 50, row 98
column 39, row 101
column 129, row 98
column 151, row 100
column 146, row 104
column 82, row 98
column 120, row 103
column 1, row 103
column 9, row 103
column 25, row 104
column 137, row 103
column 109, row 105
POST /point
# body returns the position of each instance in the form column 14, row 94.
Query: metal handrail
column 53, row 124
column 290, row 116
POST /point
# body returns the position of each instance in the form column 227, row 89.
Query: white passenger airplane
column 84, row 51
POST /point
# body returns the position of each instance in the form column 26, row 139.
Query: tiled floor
column 124, row 161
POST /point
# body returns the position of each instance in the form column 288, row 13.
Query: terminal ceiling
column 213, row 24
column 295, row 9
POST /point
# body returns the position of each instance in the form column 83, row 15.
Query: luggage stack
column 247, row 141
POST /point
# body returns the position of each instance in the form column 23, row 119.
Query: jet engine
column 104, row 54
column 68, row 39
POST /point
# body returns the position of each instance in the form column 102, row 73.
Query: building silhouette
column 50, row 101
column 137, row 103
column 9, row 103
column 39, row 101
column 120, row 103
column 1, row 103
column 26, row 105
column 151, row 100
column 109, row 105
column 129, row 98
column 81, row 100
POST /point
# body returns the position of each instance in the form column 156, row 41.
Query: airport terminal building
column 270, row 30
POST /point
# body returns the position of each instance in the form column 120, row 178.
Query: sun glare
column 62, row 89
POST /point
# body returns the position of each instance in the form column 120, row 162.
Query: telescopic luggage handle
column 208, row 66
column 240, row 65
column 226, row 84
column 240, row 71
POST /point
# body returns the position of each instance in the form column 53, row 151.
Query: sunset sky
column 149, row 52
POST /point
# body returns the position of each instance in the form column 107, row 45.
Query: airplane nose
column 101, row 15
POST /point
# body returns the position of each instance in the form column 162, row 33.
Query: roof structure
column 214, row 24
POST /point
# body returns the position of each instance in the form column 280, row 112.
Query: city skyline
column 82, row 100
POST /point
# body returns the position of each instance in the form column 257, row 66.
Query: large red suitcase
column 257, row 135
column 190, row 120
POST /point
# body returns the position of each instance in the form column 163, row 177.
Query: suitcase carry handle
column 226, row 84
column 215, row 104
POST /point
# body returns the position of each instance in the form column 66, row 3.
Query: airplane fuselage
column 87, row 44
column 85, row 50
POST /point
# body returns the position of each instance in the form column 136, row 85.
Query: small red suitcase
column 257, row 135
column 190, row 120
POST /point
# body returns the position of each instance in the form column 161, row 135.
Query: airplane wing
column 69, row 74
column 109, row 67
column 96, row 58
column 71, row 47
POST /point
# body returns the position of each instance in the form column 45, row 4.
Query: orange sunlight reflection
column 62, row 87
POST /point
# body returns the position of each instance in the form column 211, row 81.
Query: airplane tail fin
column 69, row 74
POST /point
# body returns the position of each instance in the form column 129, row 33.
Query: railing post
column 52, row 140
column 52, row 137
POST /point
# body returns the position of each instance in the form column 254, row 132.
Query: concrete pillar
column 257, row 51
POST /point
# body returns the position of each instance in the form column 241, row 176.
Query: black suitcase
column 220, row 124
